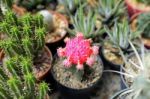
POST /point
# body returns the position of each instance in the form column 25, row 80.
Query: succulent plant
column 147, row 2
column 70, row 5
column 78, row 51
column 120, row 34
column 139, row 88
column 18, row 82
column 85, row 24
column 26, row 35
column 110, row 10
column 143, row 23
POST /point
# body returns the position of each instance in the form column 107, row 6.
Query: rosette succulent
column 78, row 52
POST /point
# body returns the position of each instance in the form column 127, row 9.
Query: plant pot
column 45, row 59
column 40, row 75
column 107, row 62
column 20, row 11
column 135, row 7
column 74, row 93
column 55, row 38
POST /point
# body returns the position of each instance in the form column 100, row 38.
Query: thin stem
column 129, row 75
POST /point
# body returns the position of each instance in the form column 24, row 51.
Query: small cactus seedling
column 78, row 51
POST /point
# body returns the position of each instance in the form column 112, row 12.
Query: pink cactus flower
column 78, row 51
column 90, row 61
column 67, row 63
column 61, row 52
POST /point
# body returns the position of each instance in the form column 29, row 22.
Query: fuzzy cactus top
column 78, row 51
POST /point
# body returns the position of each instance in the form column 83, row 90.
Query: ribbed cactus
column 23, row 85
column 78, row 51
column 27, row 34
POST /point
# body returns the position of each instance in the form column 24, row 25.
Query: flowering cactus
column 78, row 51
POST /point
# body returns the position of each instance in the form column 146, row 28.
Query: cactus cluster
column 25, row 35
column 18, row 82
column 78, row 51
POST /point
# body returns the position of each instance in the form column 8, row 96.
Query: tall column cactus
column 28, row 33
column 23, row 85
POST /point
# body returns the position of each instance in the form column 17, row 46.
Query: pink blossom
column 61, row 52
column 78, row 51
column 95, row 50
column 80, row 66
column 90, row 61
column 67, row 63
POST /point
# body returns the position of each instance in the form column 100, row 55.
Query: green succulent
column 85, row 23
column 143, row 24
column 110, row 10
column 139, row 88
column 23, row 85
column 119, row 34
column 70, row 5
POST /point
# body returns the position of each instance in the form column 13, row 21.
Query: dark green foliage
column 143, row 24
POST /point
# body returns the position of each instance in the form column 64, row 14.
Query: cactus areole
column 78, row 51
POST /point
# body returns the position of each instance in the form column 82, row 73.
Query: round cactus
column 78, row 51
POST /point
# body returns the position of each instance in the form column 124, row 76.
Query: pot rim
column 94, row 84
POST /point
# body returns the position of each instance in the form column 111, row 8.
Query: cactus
column 139, row 88
column 78, row 51
column 85, row 24
column 22, row 86
column 27, row 32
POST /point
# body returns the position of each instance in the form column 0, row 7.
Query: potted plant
column 81, row 70
column 26, row 36
column 86, row 24
column 56, row 24
column 109, row 11
column 116, row 42
column 137, row 6
column 18, row 82
column 136, row 76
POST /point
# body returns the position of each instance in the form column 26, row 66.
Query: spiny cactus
column 143, row 24
column 23, row 85
column 27, row 34
column 85, row 24
column 110, row 10
column 77, row 52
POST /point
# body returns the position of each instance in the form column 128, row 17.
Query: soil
column 112, row 54
column 68, row 79
column 59, row 31
column 42, row 64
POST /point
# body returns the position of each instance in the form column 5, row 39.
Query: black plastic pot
column 107, row 62
column 70, row 93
